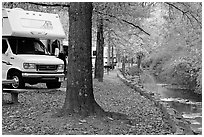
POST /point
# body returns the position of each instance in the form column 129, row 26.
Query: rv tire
column 18, row 80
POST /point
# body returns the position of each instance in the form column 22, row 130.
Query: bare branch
column 172, row 5
column 136, row 35
column 121, row 38
column 186, row 13
column 64, row 5
column 124, row 21
column 190, row 12
column 49, row 5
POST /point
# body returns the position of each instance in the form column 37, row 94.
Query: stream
column 188, row 103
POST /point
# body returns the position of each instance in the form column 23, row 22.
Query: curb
column 178, row 124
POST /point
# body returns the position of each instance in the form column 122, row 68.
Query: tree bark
column 99, row 63
column 118, row 56
column 112, row 56
column 123, row 64
column 108, row 51
column 139, row 59
column 79, row 94
column 108, row 59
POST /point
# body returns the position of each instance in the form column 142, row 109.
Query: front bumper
column 38, row 75
column 43, row 77
column 7, row 81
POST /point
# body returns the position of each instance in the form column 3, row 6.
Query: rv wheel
column 18, row 80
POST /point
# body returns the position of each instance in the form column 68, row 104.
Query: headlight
column 61, row 67
column 29, row 65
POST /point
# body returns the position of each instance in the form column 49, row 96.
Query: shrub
column 133, row 70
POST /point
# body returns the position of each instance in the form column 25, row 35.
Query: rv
column 25, row 58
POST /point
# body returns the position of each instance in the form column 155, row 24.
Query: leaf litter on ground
column 128, row 113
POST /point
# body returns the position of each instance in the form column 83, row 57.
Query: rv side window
column 13, row 44
column 4, row 46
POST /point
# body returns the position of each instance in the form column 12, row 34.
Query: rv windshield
column 27, row 46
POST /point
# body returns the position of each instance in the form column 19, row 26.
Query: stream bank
column 186, row 102
column 179, row 125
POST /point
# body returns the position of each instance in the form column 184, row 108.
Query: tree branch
column 190, row 12
column 184, row 13
column 64, row 5
column 124, row 21
column 122, row 38
column 50, row 5
column 136, row 35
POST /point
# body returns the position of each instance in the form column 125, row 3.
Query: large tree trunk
column 118, row 57
column 139, row 60
column 112, row 56
column 108, row 51
column 99, row 65
column 79, row 94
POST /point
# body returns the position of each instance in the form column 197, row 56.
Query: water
column 188, row 103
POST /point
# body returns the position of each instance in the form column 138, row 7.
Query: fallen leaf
column 82, row 121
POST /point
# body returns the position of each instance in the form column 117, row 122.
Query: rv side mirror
column 56, row 52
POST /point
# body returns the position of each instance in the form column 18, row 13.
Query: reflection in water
column 188, row 103
column 179, row 93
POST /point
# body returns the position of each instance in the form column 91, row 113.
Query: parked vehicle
column 24, row 57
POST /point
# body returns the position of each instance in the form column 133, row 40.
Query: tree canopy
column 169, row 33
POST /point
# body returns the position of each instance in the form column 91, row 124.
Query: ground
column 131, row 112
